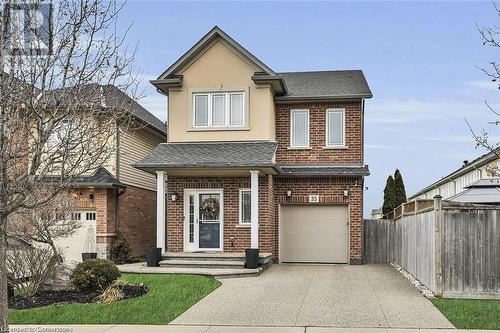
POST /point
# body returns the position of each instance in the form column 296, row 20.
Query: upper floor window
column 219, row 109
column 299, row 131
column 335, row 127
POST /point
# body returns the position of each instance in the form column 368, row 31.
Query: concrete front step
column 218, row 273
column 203, row 263
column 224, row 256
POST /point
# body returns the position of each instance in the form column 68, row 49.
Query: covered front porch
column 214, row 197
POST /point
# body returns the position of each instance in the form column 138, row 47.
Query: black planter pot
column 153, row 256
column 89, row 255
column 251, row 258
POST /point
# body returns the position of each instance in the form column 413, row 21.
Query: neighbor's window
column 60, row 134
column 299, row 128
column 245, row 206
column 221, row 109
column 335, row 127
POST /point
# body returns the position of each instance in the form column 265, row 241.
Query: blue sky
column 420, row 60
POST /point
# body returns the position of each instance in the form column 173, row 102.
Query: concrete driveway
column 314, row 295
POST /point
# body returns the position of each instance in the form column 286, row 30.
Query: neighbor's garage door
column 74, row 245
column 311, row 233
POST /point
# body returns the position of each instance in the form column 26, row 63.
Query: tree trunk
column 4, row 310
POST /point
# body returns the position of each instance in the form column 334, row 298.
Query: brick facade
column 138, row 219
column 317, row 135
column 331, row 191
column 272, row 189
column 236, row 236
column 104, row 203
column 137, row 216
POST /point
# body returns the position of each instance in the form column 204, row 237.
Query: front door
column 204, row 220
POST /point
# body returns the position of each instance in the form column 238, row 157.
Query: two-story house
column 105, row 202
column 259, row 159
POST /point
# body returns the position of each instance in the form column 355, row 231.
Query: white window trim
column 227, row 109
column 240, row 220
column 291, row 129
column 343, row 145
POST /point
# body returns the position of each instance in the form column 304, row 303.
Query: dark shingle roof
column 108, row 96
column 325, row 84
column 319, row 170
column 210, row 154
column 476, row 163
column 101, row 178
column 480, row 195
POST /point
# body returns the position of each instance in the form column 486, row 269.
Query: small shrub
column 94, row 275
column 120, row 251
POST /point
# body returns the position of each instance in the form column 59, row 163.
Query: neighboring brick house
column 107, row 201
column 260, row 159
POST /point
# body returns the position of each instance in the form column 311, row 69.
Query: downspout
column 117, row 201
column 362, row 130
column 117, row 207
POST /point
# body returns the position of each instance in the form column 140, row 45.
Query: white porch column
column 254, row 201
column 160, row 210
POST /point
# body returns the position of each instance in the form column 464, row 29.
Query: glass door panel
column 209, row 220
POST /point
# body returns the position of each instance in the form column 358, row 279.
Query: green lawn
column 168, row 297
column 471, row 314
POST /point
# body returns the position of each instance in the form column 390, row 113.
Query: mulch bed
column 48, row 297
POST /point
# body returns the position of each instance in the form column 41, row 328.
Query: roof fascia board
column 452, row 176
column 286, row 99
column 205, row 42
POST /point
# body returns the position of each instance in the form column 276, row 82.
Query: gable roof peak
column 204, row 42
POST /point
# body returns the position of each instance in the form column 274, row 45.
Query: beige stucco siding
column 220, row 68
column 135, row 145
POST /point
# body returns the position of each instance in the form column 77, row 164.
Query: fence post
column 438, row 244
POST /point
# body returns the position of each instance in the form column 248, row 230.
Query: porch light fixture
column 289, row 192
column 173, row 197
column 346, row 193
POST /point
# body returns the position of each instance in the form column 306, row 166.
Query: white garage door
column 312, row 233
column 73, row 246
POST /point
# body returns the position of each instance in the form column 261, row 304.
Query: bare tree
column 30, row 268
column 58, row 111
column 46, row 224
column 490, row 37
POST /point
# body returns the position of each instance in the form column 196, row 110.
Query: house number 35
column 313, row 198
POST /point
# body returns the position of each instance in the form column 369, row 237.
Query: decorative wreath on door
column 210, row 208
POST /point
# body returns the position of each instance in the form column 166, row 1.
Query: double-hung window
column 245, row 206
column 335, row 127
column 219, row 109
column 299, row 131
